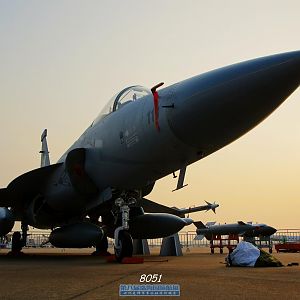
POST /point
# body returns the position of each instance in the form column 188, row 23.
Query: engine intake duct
column 75, row 166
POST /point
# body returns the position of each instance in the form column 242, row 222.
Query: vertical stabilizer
column 45, row 159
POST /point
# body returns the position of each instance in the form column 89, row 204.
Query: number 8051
column 150, row 278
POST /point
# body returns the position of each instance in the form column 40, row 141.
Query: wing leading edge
column 26, row 185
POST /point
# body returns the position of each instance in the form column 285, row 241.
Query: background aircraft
column 140, row 136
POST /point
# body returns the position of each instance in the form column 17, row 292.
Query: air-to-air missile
column 209, row 206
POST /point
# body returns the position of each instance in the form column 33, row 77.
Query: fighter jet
column 140, row 136
column 240, row 228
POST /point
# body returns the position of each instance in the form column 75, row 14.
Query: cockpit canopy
column 126, row 96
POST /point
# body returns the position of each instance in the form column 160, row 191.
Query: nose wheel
column 125, row 246
column 123, row 240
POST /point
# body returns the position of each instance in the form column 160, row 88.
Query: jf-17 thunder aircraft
column 240, row 228
column 97, row 188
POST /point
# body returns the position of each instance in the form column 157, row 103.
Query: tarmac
column 74, row 274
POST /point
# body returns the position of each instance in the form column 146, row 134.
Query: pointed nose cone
column 272, row 230
column 214, row 109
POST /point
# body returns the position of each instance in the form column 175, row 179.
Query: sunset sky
column 61, row 61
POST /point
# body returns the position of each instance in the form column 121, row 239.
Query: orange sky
column 61, row 61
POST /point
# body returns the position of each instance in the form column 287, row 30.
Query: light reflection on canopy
column 125, row 97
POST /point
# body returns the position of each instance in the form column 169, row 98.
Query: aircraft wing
column 154, row 207
column 26, row 185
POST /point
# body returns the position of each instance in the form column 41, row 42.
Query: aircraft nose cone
column 218, row 107
column 272, row 230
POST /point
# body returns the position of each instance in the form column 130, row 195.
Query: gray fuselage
column 142, row 136
column 197, row 117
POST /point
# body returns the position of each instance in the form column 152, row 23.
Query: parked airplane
column 240, row 228
column 140, row 136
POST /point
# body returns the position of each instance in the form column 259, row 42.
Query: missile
column 261, row 230
column 207, row 207
column 240, row 228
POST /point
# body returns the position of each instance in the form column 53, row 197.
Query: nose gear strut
column 123, row 240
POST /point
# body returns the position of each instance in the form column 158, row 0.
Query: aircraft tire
column 17, row 243
column 126, row 246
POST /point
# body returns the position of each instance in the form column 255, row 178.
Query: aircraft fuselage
column 196, row 117
column 142, row 136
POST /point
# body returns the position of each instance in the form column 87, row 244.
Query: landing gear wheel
column 16, row 242
column 126, row 246
column 16, row 245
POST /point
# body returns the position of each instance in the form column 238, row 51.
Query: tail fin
column 199, row 225
column 211, row 206
column 45, row 159
column 208, row 224
column 199, row 237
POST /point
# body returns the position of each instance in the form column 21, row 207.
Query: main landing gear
column 19, row 241
column 123, row 239
column 101, row 247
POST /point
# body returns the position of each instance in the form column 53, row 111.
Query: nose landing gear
column 124, row 248
column 123, row 239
